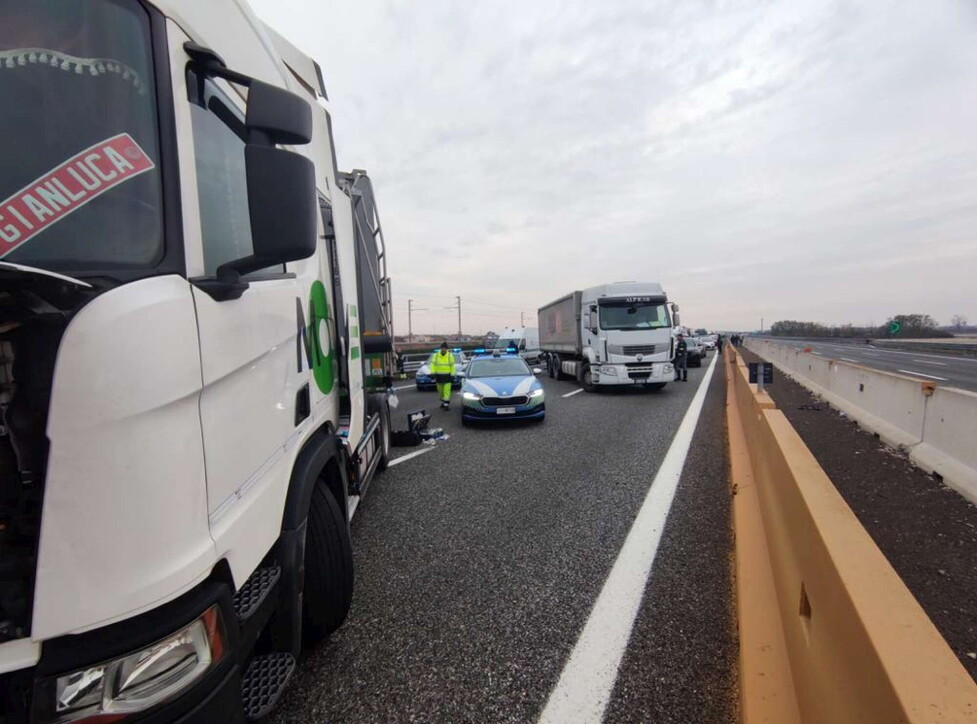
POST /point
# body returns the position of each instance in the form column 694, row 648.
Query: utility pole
column 457, row 306
column 761, row 325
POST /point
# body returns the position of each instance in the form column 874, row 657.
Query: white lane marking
column 849, row 359
column 408, row 456
column 870, row 354
column 924, row 362
column 920, row 374
column 571, row 394
column 928, row 356
column 587, row 680
column 816, row 352
column 404, row 387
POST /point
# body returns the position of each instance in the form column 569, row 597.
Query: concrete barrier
column 949, row 446
column 856, row 644
column 936, row 425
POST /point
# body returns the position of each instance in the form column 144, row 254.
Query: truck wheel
column 328, row 567
column 551, row 367
column 384, row 433
column 587, row 380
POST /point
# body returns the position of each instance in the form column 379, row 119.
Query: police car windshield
column 499, row 367
column 634, row 316
column 80, row 182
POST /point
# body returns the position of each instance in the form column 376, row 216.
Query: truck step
column 264, row 681
column 254, row 591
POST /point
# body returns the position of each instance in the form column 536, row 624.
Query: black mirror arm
column 211, row 64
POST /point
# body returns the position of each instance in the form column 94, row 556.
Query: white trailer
column 186, row 327
column 612, row 334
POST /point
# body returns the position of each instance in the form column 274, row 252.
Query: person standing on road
column 681, row 359
column 443, row 369
column 719, row 344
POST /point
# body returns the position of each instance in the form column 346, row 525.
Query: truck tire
column 586, row 379
column 384, row 433
column 328, row 567
column 551, row 367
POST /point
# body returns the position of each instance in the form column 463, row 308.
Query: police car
column 500, row 386
column 424, row 378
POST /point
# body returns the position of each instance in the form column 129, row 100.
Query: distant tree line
column 910, row 326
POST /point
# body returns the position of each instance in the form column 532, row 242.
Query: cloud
column 805, row 159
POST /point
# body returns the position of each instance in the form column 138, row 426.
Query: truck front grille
column 634, row 349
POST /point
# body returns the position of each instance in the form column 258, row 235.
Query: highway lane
column 478, row 564
column 942, row 369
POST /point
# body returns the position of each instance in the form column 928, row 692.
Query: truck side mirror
column 282, row 202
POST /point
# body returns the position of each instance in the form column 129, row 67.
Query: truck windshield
column 634, row 316
column 499, row 367
column 79, row 182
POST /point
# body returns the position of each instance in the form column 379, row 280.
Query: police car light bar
column 478, row 351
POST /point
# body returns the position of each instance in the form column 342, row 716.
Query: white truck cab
column 612, row 334
column 194, row 356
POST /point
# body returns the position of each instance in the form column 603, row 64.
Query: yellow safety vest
column 443, row 364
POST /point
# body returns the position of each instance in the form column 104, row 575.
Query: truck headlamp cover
column 609, row 370
column 141, row 679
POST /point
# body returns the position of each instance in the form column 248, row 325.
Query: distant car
column 424, row 379
column 708, row 341
column 695, row 351
column 501, row 386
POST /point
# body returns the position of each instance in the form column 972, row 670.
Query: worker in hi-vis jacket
column 443, row 369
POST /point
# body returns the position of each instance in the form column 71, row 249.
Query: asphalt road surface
column 939, row 368
column 487, row 587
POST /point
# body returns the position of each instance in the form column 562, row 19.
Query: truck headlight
column 609, row 370
column 471, row 396
column 536, row 393
column 142, row 679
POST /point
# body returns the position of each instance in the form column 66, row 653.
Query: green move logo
column 314, row 339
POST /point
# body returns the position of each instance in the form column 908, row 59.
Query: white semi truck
column 612, row 334
column 194, row 356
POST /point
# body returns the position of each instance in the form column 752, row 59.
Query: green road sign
column 894, row 327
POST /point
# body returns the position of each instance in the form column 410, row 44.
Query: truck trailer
column 195, row 358
column 612, row 334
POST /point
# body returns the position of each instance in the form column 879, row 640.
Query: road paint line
column 571, row 394
column 587, row 680
column 920, row 374
column 870, row 354
column 924, row 362
column 849, row 359
column 408, row 456
column 928, row 356
column 816, row 352
column 404, row 387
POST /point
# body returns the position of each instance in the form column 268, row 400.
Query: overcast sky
column 787, row 160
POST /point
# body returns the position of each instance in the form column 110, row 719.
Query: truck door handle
column 303, row 404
